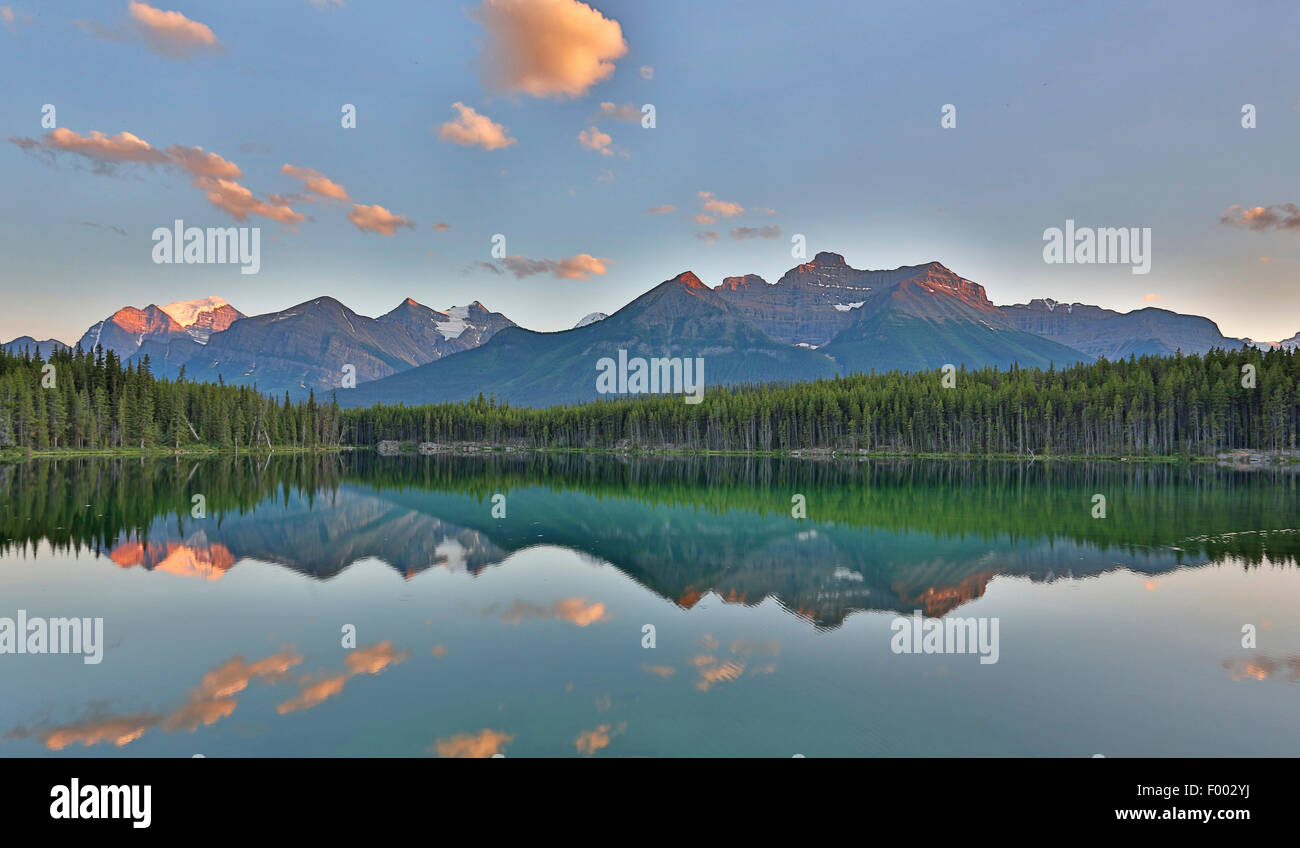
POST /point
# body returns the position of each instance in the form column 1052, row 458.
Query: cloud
column 377, row 219
column 765, row 211
column 664, row 671
column 1284, row 216
column 316, row 182
column 593, row 139
column 171, row 34
column 201, row 164
column 647, row 72
column 316, row 690
column 485, row 743
column 547, row 48
column 722, row 208
column 578, row 267
column 743, row 233
column 707, row 237
column 212, row 700
column 117, row 730
column 705, row 220
column 442, row 226
column 233, row 198
column 471, row 129
column 591, row 741
column 374, row 659
column 11, row 18
column 325, row 4
column 619, row 112
column 661, row 210
column 578, row 611
column 123, row 147
column 1150, row 298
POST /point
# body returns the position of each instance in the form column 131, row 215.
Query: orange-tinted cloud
column 123, row 147
column 591, row 741
column 485, row 743
column 577, row 611
column 1264, row 668
column 442, row 226
column 209, row 702
column 374, row 659
column 593, row 139
column 578, row 267
column 377, row 219
column 318, row 689
column 201, row 164
column 547, row 48
column 171, row 33
column 314, row 691
column 229, row 196
column 661, row 210
column 1283, row 216
column 721, row 208
column 664, row 671
column 713, row 673
column 316, row 182
column 470, row 129
column 116, row 730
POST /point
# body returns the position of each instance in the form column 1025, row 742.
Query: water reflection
column 878, row 536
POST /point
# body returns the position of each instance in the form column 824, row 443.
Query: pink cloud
column 377, row 219
column 171, row 33
column 316, row 182
column 233, row 198
column 593, row 139
column 547, row 48
column 201, row 164
column 123, row 147
column 470, row 129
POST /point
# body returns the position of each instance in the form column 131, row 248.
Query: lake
column 594, row 605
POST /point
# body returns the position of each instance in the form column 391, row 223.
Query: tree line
column 93, row 401
column 1141, row 406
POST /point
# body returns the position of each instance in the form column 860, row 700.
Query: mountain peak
column 749, row 281
column 688, row 280
column 189, row 312
column 826, row 259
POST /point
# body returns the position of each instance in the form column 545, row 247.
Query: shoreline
column 1242, row 458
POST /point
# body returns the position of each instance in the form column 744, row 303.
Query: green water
column 502, row 604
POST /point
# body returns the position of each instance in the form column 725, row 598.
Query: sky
column 771, row 120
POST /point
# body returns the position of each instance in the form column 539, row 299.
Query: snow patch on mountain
column 456, row 324
column 591, row 318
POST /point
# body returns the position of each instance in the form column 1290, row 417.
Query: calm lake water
column 526, row 633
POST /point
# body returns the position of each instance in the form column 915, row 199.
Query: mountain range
column 821, row 318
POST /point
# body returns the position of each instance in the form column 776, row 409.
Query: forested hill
column 1149, row 406
column 81, row 401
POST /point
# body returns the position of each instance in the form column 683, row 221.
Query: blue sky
column 828, row 113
